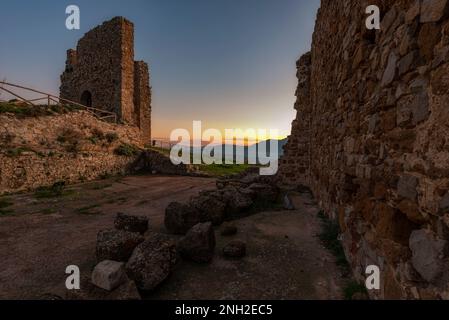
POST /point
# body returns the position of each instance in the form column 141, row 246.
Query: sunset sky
column 228, row 63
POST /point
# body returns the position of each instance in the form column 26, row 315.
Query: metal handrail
column 99, row 113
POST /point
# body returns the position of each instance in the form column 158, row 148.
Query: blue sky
column 228, row 63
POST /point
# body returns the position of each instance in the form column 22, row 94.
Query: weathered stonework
column 72, row 147
column 371, row 139
column 102, row 73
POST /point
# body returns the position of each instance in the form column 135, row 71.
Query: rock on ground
column 116, row 245
column 152, row 261
column 126, row 291
column 180, row 218
column 210, row 207
column 109, row 275
column 199, row 243
column 131, row 223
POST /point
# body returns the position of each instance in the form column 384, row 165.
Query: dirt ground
column 285, row 260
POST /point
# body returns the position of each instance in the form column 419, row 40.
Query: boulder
column 179, row 218
column 152, row 261
column 109, row 275
column 235, row 249
column 228, row 229
column 116, row 245
column 428, row 253
column 210, row 207
column 126, row 291
column 199, row 243
column 131, row 223
column 236, row 201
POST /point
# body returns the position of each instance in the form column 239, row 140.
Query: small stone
column 390, row 70
column 433, row 10
column 428, row 252
column 413, row 12
column 116, row 245
column 109, row 275
column 444, row 203
column 199, row 243
column 407, row 187
column 235, row 249
column 131, row 223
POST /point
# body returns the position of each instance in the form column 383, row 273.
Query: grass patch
column 24, row 110
column 329, row 237
column 127, row 150
column 5, row 203
column 352, row 288
column 100, row 186
column 48, row 211
column 88, row 210
column 55, row 191
column 15, row 152
column 111, row 137
column 70, row 139
column 224, row 169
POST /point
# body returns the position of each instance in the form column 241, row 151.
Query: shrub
column 56, row 190
column 127, row 150
column 70, row 138
column 111, row 137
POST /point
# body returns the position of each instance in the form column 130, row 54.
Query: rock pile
column 129, row 258
column 233, row 198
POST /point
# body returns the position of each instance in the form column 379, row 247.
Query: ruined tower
column 102, row 73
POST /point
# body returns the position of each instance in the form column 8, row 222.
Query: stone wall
column 142, row 99
column 100, row 73
column 72, row 147
column 371, row 139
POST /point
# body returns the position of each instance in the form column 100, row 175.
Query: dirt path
column 285, row 259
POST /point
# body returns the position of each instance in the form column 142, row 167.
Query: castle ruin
column 102, row 73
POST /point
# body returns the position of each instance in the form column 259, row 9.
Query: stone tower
column 102, row 73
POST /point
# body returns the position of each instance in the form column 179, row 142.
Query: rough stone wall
column 378, row 139
column 142, row 99
column 295, row 161
column 72, row 147
column 102, row 66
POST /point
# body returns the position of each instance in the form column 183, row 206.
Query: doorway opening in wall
column 86, row 99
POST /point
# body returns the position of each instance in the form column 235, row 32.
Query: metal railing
column 49, row 99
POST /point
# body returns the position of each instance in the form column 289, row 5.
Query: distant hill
column 250, row 151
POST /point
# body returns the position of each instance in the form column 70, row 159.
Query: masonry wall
column 103, row 65
column 142, row 99
column 372, row 142
column 72, row 147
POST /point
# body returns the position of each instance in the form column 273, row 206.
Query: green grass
column 48, row 211
column 127, row 150
column 329, row 237
column 100, row 186
column 23, row 110
column 15, row 152
column 223, row 169
column 352, row 288
column 5, row 203
column 55, row 191
column 88, row 210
